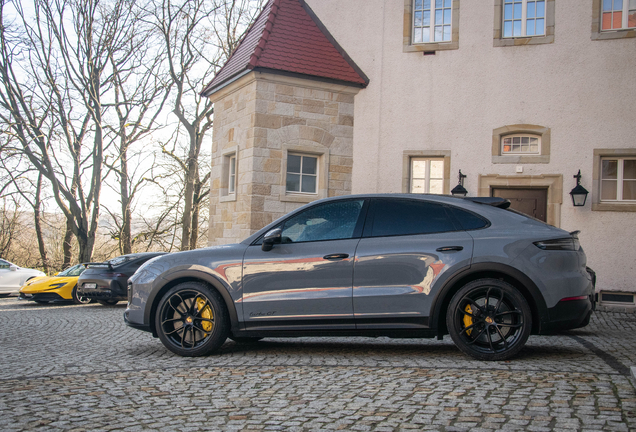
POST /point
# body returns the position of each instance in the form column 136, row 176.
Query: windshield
column 73, row 271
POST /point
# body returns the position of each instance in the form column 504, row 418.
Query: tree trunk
column 38, row 225
column 186, row 219
column 67, row 246
column 125, row 242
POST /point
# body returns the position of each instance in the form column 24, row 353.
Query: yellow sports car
column 59, row 288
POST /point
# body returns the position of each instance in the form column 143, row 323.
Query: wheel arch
column 196, row 276
column 508, row 274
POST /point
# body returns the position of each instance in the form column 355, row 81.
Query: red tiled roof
column 288, row 37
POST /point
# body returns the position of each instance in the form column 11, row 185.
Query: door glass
column 403, row 217
column 330, row 221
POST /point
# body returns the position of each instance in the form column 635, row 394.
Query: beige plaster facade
column 259, row 119
column 575, row 86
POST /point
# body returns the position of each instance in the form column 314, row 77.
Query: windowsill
column 298, row 198
column 616, row 207
column 614, row 34
column 521, row 159
column 432, row 46
column 227, row 198
column 526, row 40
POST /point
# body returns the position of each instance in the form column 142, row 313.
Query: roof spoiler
column 501, row 203
column 98, row 264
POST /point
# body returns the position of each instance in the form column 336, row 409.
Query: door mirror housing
column 272, row 237
column 13, row 267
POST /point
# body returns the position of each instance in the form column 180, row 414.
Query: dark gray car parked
column 106, row 282
column 373, row 265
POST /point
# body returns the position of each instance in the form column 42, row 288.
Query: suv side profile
column 373, row 265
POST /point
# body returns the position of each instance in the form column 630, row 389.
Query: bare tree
column 54, row 71
column 198, row 36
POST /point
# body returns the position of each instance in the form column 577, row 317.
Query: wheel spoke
column 518, row 312
column 199, row 310
column 487, row 303
column 502, row 337
column 472, row 302
column 171, row 320
column 176, row 309
column 510, row 325
column 465, row 329
column 490, row 340
column 175, row 330
column 204, row 319
column 499, row 302
column 470, row 315
column 477, row 337
column 201, row 329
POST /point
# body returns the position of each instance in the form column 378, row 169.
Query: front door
column 305, row 281
column 531, row 201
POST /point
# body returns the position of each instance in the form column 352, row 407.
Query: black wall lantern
column 459, row 190
column 579, row 193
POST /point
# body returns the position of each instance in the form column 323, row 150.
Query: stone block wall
column 261, row 117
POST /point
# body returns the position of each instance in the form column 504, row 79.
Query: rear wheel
column 489, row 319
column 108, row 302
column 192, row 320
column 77, row 299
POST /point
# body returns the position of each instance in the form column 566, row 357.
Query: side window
column 4, row 264
column 468, row 220
column 329, row 221
column 404, row 217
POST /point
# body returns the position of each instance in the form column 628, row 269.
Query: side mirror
column 271, row 238
column 13, row 267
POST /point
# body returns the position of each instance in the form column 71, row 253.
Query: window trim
column 301, row 174
column 407, row 37
column 542, row 132
column 322, row 173
column 408, row 155
column 599, row 34
column 427, row 179
column 597, row 204
column 547, row 38
column 225, row 194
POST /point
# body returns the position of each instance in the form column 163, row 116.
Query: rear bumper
column 571, row 314
column 106, row 290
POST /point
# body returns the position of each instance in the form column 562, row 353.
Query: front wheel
column 192, row 320
column 489, row 319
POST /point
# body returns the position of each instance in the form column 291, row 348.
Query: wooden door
column 531, row 201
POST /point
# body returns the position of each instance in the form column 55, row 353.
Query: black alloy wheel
column 108, row 302
column 192, row 320
column 489, row 319
column 77, row 299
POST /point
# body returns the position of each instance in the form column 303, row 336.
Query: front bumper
column 135, row 325
column 43, row 297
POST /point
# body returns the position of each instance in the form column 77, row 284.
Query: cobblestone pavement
column 68, row 367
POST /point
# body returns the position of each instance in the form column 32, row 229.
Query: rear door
column 406, row 246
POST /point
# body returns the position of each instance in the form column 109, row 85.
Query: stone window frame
column 407, row 155
column 407, row 39
column 322, row 182
column 553, row 182
column 598, row 34
column 500, row 41
column 224, row 192
column 498, row 134
column 597, row 205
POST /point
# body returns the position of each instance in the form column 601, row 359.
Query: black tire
column 5, row 295
column 108, row 302
column 245, row 340
column 192, row 320
column 77, row 299
column 41, row 302
column 489, row 319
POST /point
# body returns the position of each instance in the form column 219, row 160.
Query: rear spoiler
column 98, row 264
column 501, row 203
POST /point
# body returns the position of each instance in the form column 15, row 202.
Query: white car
column 12, row 277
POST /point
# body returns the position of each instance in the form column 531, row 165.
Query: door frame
column 553, row 182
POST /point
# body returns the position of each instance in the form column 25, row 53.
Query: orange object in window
column 631, row 20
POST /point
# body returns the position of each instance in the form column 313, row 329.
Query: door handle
column 336, row 256
column 450, row 249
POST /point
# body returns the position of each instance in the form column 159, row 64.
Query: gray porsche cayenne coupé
column 373, row 265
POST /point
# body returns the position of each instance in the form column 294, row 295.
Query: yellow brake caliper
column 206, row 312
column 468, row 321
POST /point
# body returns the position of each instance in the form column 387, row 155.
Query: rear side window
column 404, row 217
column 468, row 220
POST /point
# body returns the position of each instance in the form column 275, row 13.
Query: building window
column 431, row 25
column 618, row 14
column 302, row 173
column 523, row 18
column 520, row 144
column 231, row 182
column 618, row 179
column 614, row 180
column 427, row 175
column 523, row 22
column 432, row 21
